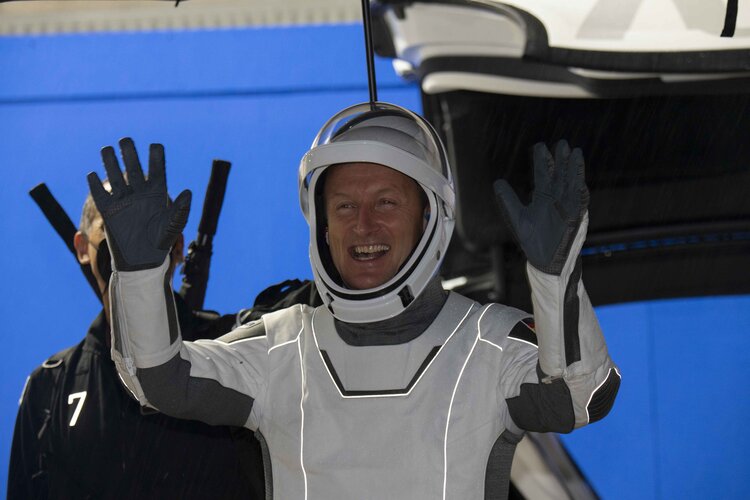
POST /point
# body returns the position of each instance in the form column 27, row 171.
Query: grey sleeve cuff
column 145, row 330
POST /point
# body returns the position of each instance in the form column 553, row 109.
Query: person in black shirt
column 79, row 434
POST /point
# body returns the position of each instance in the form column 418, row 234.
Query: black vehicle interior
column 668, row 175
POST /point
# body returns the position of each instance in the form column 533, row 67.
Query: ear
column 178, row 250
column 81, row 244
column 327, row 242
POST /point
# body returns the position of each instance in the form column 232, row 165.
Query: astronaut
column 393, row 388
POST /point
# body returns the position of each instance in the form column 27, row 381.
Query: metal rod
column 370, row 53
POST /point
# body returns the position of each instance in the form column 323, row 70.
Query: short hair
column 88, row 215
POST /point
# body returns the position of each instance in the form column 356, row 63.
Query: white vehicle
column 651, row 92
column 657, row 95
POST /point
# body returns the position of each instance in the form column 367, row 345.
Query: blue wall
column 678, row 428
column 256, row 98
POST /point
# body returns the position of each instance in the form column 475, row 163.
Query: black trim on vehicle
column 546, row 73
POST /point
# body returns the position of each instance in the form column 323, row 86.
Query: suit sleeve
column 208, row 380
column 571, row 380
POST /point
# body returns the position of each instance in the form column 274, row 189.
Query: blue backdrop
column 256, row 98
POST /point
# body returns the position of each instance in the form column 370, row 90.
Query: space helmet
column 395, row 137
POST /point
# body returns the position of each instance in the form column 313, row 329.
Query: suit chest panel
column 383, row 427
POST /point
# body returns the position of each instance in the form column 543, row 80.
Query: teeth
column 360, row 249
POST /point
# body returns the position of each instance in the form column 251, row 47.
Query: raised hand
column 546, row 227
column 140, row 221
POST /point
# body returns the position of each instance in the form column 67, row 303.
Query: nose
column 366, row 222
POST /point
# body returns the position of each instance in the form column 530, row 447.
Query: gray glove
column 546, row 227
column 141, row 222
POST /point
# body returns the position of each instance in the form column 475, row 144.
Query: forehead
column 346, row 177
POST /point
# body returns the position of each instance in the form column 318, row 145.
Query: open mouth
column 368, row 252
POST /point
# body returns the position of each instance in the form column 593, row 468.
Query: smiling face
column 375, row 219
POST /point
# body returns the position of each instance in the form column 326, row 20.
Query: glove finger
column 114, row 174
column 132, row 163
column 561, row 179
column 181, row 207
column 98, row 193
column 578, row 192
column 176, row 219
column 157, row 175
column 509, row 203
column 562, row 150
column 544, row 166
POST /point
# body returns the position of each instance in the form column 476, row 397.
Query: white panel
column 638, row 25
column 445, row 30
column 447, row 81
column 75, row 16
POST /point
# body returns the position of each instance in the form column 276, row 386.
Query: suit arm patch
column 524, row 331
column 543, row 407
column 604, row 397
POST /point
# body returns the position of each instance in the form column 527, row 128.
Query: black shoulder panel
column 524, row 330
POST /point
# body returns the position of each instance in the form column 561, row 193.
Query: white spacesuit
column 396, row 391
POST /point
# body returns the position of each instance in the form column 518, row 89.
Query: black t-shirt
column 79, row 434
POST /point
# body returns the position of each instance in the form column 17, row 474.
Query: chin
column 364, row 283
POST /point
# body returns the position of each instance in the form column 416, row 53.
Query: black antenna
column 64, row 227
column 730, row 20
column 370, row 53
